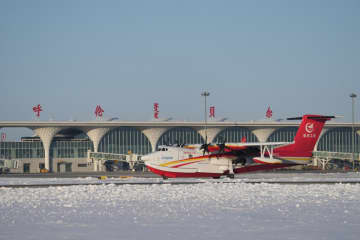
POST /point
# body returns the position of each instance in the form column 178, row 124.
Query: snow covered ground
column 200, row 211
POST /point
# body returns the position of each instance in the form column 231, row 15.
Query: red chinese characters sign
column 212, row 112
column 99, row 111
column 37, row 109
column 156, row 110
column 269, row 113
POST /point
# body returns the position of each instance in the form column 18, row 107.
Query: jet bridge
column 330, row 160
column 99, row 159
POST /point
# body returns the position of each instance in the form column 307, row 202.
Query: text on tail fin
column 306, row 137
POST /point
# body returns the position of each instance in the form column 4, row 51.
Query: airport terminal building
column 82, row 146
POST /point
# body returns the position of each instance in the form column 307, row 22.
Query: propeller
column 243, row 154
column 205, row 147
column 222, row 145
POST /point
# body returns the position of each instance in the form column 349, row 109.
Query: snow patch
column 211, row 210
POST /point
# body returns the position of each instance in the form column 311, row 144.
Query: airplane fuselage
column 215, row 160
column 183, row 162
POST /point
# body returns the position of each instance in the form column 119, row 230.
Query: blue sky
column 69, row 56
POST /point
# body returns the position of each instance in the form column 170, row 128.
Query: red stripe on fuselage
column 183, row 175
column 200, row 158
column 246, row 169
column 228, row 148
column 262, row 167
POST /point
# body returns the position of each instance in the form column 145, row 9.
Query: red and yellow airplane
column 216, row 160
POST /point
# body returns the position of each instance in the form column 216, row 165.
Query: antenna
column 205, row 94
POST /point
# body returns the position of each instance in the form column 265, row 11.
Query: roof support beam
column 46, row 135
column 211, row 132
column 263, row 134
column 153, row 134
column 95, row 135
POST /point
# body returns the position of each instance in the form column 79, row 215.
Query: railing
column 114, row 156
column 336, row 155
column 99, row 159
column 106, row 156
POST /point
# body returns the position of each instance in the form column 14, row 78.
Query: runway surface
column 128, row 178
column 175, row 183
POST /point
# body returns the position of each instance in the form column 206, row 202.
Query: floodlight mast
column 353, row 96
column 205, row 94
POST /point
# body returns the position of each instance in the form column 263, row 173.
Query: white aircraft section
column 211, row 210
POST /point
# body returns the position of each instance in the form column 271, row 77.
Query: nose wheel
column 231, row 176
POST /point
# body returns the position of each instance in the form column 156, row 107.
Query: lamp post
column 205, row 94
column 353, row 96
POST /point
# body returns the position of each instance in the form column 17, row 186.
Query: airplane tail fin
column 306, row 137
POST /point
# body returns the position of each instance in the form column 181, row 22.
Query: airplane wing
column 212, row 147
column 251, row 144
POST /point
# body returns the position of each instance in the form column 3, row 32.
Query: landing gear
column 231, row 170
column 164, row 177
column 216, row 177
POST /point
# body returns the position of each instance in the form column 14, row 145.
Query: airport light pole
column 205, row 94
column 353, row 96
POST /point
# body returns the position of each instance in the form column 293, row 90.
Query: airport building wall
column 34, row 165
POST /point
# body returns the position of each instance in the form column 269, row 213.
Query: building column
column 212, row 132
column 46, row 135
column 153, row 135
column 95, row 135
column 262, row 134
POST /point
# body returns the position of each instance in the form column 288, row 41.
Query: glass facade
column 235, row 134
column 70, row 143
column 283, row 135
column 180, row 135
column 11, row 150
column 338, row 140
column 125, row 139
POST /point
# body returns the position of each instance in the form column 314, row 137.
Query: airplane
column 227, row 159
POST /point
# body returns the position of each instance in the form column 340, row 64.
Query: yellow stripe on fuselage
column 296, row 158
column 198, row 159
